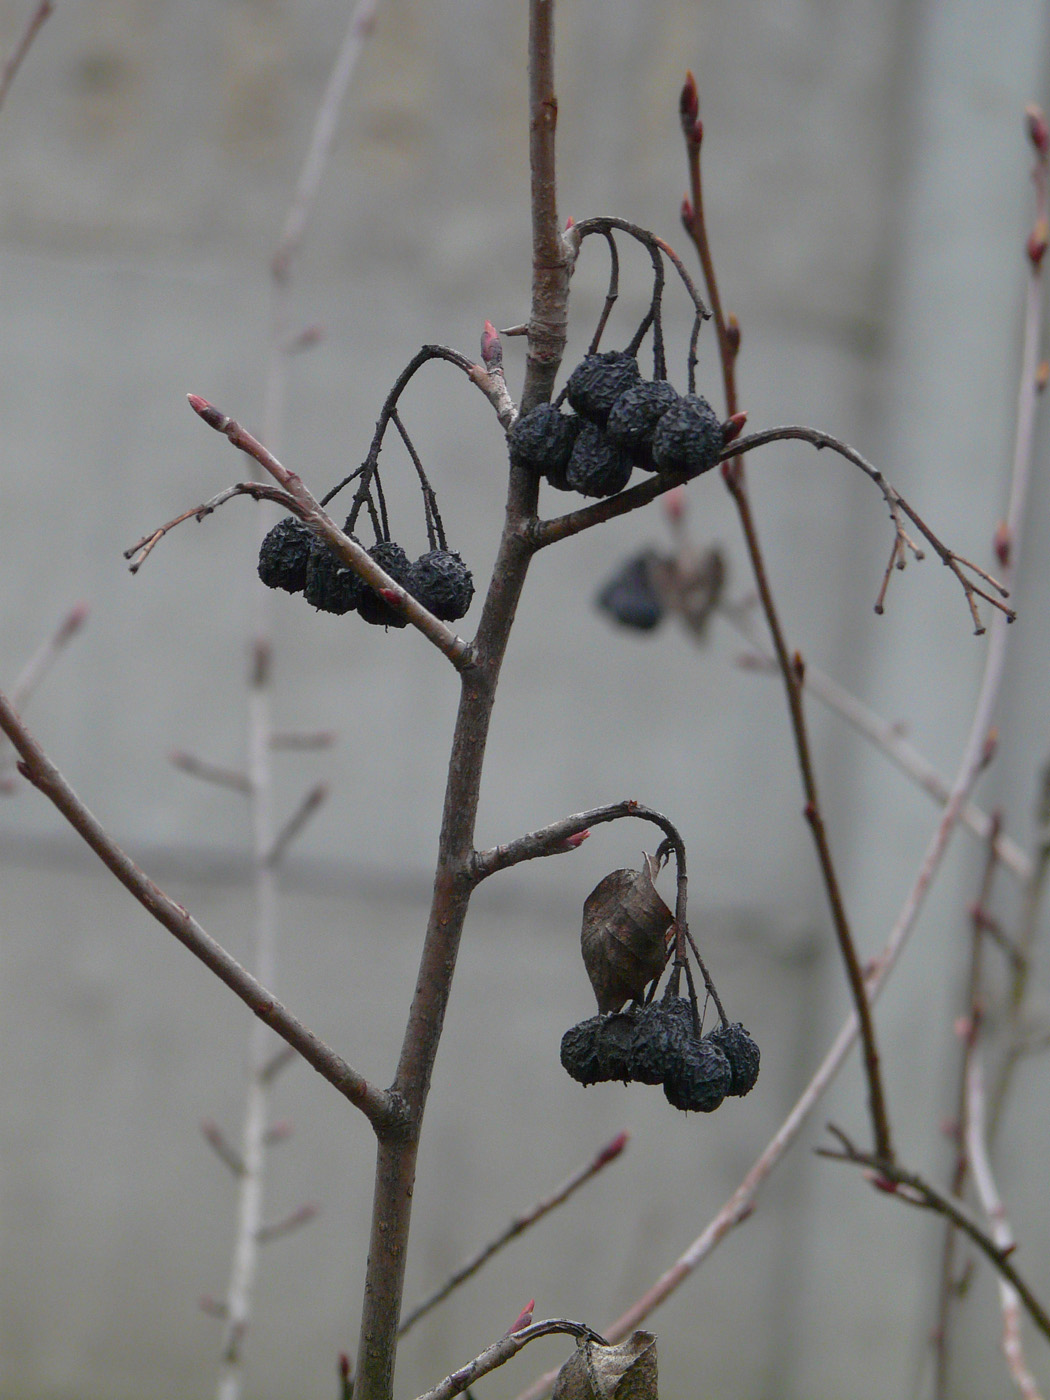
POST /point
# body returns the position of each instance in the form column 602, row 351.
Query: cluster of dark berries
column 659, row 1044
column 620, row 421
column 292, row 557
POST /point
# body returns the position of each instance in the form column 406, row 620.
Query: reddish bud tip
column 523, row 1319
column 1038, row 130
column 571, row 843
column 491, row 347
column 687, row 212
column 696, row 136
column 1037, row 242
column 1042, row 376
column 344, row 1366
column 733, row 334
column 570, row 222
column 883, row 1183
column 1002, row 543
column 799, row 667
column 612, row 1149
column 689, row 100
column 733, row 427
column 674, row 504
column 208, row 412
column 389, row 595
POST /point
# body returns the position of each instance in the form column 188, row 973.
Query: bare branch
column 14, row 60
column 520, row 1223
column 266, row 1234
column 258, row 491
column 308, row 509
column 1002, row 1234
column 499, row 1353
column 311, row 803
column 210, row 772
column 380, row 1107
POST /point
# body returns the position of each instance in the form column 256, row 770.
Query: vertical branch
column 791, row 666
column 453, row 878
column 550, row 259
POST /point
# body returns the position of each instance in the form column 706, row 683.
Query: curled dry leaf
column 626, row 1371
column 625, row 934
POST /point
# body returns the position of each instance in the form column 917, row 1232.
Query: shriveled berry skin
column 599, row 1049
column 330, row 585
column 662, row 1036
column 597, row 467
column 598, row 381
column 542, row 440
column 741, row 1052
column 700, row 1080
column 688, row 438
column 393, row 560
column 443, row 584
column 635, row 414
column 630, row 597
column 283, row 555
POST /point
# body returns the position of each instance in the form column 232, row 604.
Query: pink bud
column 689, row 102
column 674, row 504
column 1038, row 131
column 1037, row 242
column 1001, row 544
column 733, row 427
column 491, row 347
column 612, row 1149
column 523, row 1318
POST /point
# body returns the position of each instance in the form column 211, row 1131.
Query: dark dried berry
column 635, row 414
column 542, row 440
column 663, row 1034
column 599, row 1049
column 393, row 560
column 443, row 584
column 630, row 596
column 598, row 381
column 283, row 555
column 741, row 1052
column 688, row 438
column 597, row 467
column 700, row 1080
column 330, row 585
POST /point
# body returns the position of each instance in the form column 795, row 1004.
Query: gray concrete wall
column 866, row 177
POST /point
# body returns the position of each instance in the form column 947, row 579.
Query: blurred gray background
column 867, row 183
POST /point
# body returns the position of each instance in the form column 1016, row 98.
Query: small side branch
column 499, row 1353
column 308, row 509
column 14, row 60
column 381, row 1109
column 915, row 1190
column 257, row 490
column 517, row 1226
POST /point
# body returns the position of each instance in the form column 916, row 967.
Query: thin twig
column 31, row 676
column 210, row 772
column 258, row 491
column 299, row 1217
column 310, row 804
column 377, row 1105
column 517, row 1226
column 915, row 1190
column 499, row 1353
column 18, row 53
column 217, row 1141
column 446, row 641
column 1002, row 1234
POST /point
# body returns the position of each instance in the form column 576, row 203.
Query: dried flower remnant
column 625, row 933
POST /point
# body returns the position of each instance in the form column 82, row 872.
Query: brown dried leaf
column 625, row 934
column 626, row 1371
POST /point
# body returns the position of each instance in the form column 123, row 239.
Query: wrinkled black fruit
column 688, row 438
column 542, row 440
column 283, row 555
column 393, row 560
column 330, row 585
column 630, row 598
column 443, row 584
column 663, row 1035
column 597, row 467
column 598, row 381
column 599, row 1049
column 741, row 1052
column 635, row 414
column 700, row 1080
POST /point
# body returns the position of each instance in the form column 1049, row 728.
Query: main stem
column 454, row 879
